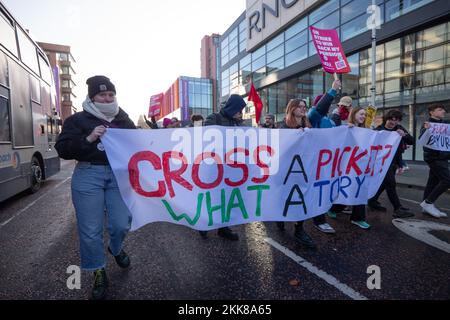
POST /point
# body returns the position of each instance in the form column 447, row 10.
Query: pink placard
column 330, row 51
column 155, row 105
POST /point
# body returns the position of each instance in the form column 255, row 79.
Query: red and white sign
column 330, row 51
column 155, row 105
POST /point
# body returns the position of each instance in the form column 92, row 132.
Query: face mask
column 343, row 113
column 108, row 109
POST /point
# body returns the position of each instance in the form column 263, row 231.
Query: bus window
column 4, row 79
column 45, row 70
column 8, row 38
column 35, row 90
column 5, row 135
column 27, row 51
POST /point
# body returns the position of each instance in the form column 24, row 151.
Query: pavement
column 415, row 177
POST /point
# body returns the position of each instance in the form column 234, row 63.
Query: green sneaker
column 332, row 215
column 362, row 224
column 100, row 285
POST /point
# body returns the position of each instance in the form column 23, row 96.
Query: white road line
column 412, row 201
column 321, row 274
column 32, row 203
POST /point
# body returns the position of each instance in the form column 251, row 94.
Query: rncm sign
column 266, row 17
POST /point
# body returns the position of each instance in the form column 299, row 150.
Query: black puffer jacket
column 225, row 118
column 406, row 140
column 72, row 143
column 430, row 154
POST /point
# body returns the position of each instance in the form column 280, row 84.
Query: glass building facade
column 187, row 96
column 413, row 68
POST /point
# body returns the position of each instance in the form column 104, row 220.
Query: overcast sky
column 141, row 45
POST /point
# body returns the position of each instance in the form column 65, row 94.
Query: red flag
column 254, row 97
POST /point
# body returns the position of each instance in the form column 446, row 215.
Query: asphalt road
column 39, row 241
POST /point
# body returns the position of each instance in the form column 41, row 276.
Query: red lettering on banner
column 133, row 171
column 196, row 170
column 175, row 175
column 335, row 162
column 237, row 165
column 262, row 165
column 346, row 150
column 323, row 163
column 353, row 162
column 390, row 147
column 370, row 169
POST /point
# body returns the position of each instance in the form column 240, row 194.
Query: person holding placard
column 439, row 178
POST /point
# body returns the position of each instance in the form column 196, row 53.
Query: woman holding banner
column 318, row 117
column 357, row 119
column 94, row 187
column 296, row 119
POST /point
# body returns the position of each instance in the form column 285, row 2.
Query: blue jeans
column 94, row 191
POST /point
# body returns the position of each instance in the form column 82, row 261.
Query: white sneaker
column 325, row 228
column 430, row 209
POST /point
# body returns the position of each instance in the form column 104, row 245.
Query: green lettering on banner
column 211, row 209
column 236, row 193
column 260, row 190
column 182, row 216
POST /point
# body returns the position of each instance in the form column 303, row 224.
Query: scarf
column 102, row 111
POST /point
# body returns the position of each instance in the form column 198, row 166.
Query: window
column 275, row 65
column 296, row 55
column 28, row 51
column 8, row 38
column 35, row 89
column 392, row 48
column 350, row 80
column 354, row 27
column 65, row 84
column 275, row 42
column 45, row 70
column 5, row 135
column 330, row 22
column 275, row 53
column 4, row 75
column 430, row 59
column 432, row 36
column 396, row 8
column 296, row 28
column 296, row 41
column 324, row 11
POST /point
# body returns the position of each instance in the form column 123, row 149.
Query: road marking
column 32, row 203
column 419, row 203
column 313, row 269
column 420, row 230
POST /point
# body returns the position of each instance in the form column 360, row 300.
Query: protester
column 152, row 124
column 296, row 119
column 358, row 216
column 269, row 122
column 175, row 123
column 391, row 123
column 342, row 112
column 439, row 177
column 197, row 120
column 167, row 123
column 94, row 186
column 318, row 117
column 229, row 116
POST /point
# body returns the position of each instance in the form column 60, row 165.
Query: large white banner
column 437, row 137
column 209, row 177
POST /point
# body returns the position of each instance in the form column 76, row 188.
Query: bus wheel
column 36, row 175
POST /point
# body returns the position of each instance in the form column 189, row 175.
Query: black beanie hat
column 99, row 84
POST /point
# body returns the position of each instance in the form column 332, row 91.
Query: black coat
column 72, row 143
column 221, row 119
column 430, row 154
column 406, row 140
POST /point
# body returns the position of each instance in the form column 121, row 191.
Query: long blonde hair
column 352, row 118
column 291, row 122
